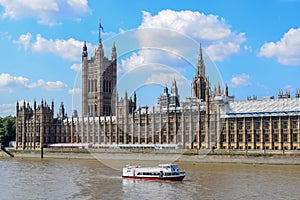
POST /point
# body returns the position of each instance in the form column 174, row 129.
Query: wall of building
column 208, row 119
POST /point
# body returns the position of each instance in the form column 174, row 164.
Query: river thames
column 91, row 179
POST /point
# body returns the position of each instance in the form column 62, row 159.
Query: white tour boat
column 161, row 172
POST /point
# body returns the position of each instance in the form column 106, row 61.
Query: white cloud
column 241, row 80
column 9, row 112
column 219, row 40
column 68, row 49
column 166, row 79
column 76, row 67
column 121, row 31
column 5, row 36
column 75, row 91
column 286, row 50
column 78, row 4
column 24, row 40
column 8, row 81
column 172, row 38
column 247, row 48
column 51, row 85
column 7, row 105
column 7, row 109
column 134, row 61
column 155, row 58
column 49, row 12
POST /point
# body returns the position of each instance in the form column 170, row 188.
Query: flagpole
column 100, row 41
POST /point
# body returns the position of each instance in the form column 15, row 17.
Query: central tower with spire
column 99, row 81
column 200, row 81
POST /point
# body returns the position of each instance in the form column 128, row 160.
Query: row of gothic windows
column 92, row 86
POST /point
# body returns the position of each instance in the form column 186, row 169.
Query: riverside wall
column 179, row 155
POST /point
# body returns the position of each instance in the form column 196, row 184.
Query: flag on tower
column 101, row 27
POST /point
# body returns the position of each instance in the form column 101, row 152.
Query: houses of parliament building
column 209, row 119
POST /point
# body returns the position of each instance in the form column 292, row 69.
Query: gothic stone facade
column 36, row 127
column 209, row 119
column 99, row 79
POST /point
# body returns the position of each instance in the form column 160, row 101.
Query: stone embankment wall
column 220, row 156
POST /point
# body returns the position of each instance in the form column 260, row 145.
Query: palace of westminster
column 209, row 119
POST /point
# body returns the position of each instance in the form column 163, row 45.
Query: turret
column 84, row 50
column 126, row 96
column 226, row 90
column 52, row 106
column 174, row 89
column 135, row 100
column 99, row 52
column 207, row 91
column 62, row 111
column 17, row 106
column 166, row 90
column 84, row 69
column 219, row 88
column 297, row 94
column 114, row 53
column 34, row 105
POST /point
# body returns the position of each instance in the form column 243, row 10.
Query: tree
column 7, row 129
column 2, row 131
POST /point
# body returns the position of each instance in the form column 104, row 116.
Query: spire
column 52, row 106
column 114, row 52
column 200, row 65
column 166, row 90
column 174, row 88
column 62, row 111
column 17, row 106
column 134, row 96
column 226, row 90
column 126, row 95
column 174, row 82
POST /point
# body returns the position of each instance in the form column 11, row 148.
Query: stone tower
column 40, row 119
column 200, row 81
column 99, row 80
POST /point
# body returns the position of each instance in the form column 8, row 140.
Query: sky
column 253, row 46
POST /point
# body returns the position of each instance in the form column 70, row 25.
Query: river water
column 91, row 179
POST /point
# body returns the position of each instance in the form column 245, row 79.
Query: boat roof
column 165, row 165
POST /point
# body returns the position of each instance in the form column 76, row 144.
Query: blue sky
column 255, row 46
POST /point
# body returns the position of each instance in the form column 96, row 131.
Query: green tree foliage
column 7, row 129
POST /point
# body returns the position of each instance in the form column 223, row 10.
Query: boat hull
column 177, row 178
column 169, row 172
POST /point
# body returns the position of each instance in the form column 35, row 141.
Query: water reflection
column 84, row 179
column 140, row 189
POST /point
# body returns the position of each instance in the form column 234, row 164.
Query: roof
column 264, row 107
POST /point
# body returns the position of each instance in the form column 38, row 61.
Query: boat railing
column 132, row 166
